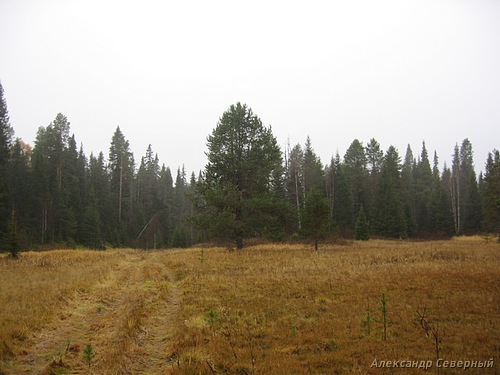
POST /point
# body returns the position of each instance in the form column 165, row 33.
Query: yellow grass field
column 268, row 309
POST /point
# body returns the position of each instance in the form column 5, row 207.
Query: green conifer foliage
column 361, row 231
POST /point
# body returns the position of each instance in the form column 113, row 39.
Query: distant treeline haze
column 52, row 194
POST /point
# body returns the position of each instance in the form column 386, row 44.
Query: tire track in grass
column 156, row 329
column 126, row 319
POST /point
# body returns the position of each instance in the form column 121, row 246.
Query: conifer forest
column 54, row 195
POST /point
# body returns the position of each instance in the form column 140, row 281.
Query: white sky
column 165, row 71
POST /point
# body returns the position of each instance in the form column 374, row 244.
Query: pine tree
column 236, row 190
column 121, row 169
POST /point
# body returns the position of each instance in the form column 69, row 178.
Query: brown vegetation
column 268, row 309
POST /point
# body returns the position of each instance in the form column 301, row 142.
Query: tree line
column 52, row 194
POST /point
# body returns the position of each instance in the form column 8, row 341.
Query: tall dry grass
column 268, row 309
column 36, row 287
column 57, row 303
column 283, row 309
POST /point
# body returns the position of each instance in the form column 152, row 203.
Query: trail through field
column 125, row 319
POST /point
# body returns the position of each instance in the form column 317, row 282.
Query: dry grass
column 36, row 286
column 58, row 302
column 286, row 310
column 269, row 309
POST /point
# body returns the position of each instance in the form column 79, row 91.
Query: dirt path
column 126, row 318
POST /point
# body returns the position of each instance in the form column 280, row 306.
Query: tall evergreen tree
column 181, row 234
column 121, row 169
column 295, row 181
column 361, row 231
column 441, row 217
column 312, row 169
column 20, row 198
column 330, row 172
column 389, row 215
column 91, row 223
column 491, row 194
column 53, row 155
column 316, row 217
column 375, row 158
column 166, row 189
column 423, row 192
column 343, row 203
column 6, row 134
column 455, row 190
column 356, row 170
column 471, row 202
column 465, row 199
column 408, row 177
column 242, row 155
column 99, row 185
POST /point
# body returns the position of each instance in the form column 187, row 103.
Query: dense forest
column 52, row 194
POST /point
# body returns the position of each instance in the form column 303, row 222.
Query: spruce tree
column 389, row 218
column 423, row 192
column 491, row 194
column 6, row 134
column 21, row 194
column 408, row 177
column 315, row 217
column 54, row 156
column 166, row 194
column 375, row 157
column 312, row 169
column 441, row 217
column 91, row 224
column 471, row 202
column 361, row 231
column 343, row 203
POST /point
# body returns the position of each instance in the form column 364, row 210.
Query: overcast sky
column 164, row 71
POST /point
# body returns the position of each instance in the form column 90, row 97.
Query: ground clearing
column 269, row 309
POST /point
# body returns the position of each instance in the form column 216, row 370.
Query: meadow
column 267, row 309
